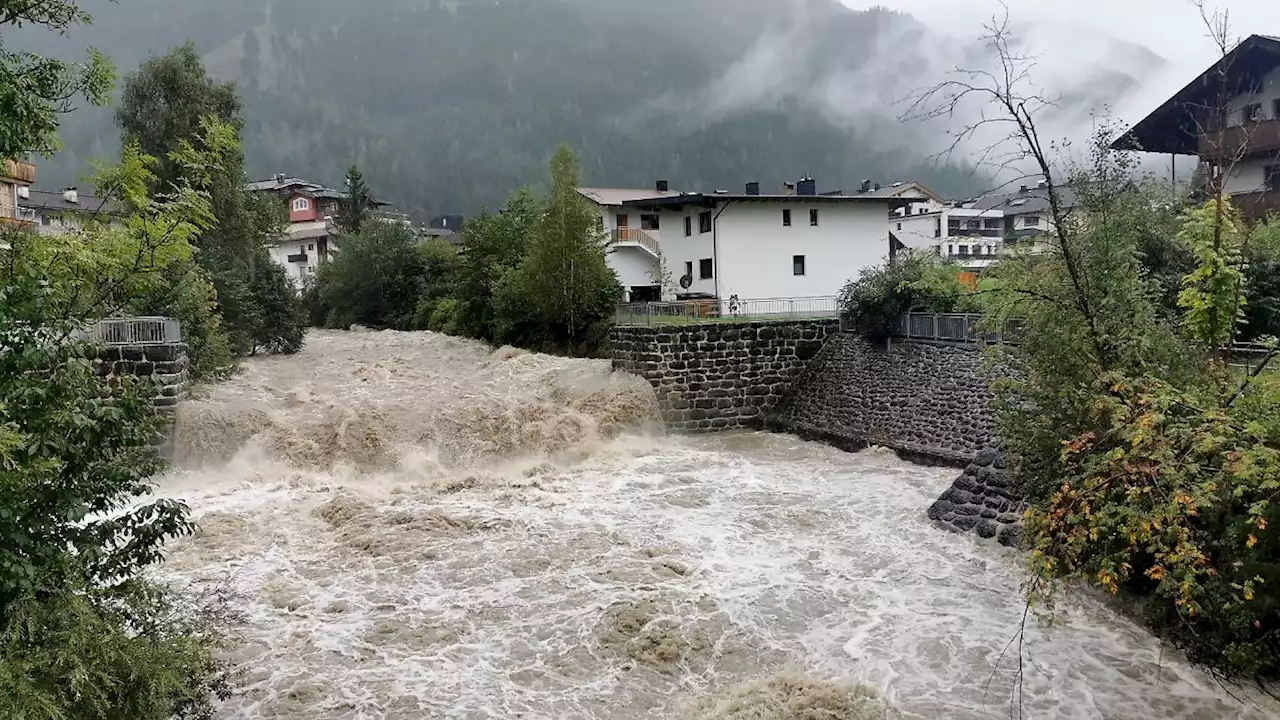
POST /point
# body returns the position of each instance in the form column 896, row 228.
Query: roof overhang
column 704, row 200
column 1175, row 126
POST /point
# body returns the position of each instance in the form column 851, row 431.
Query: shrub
column 375, row 280
column 916, row 282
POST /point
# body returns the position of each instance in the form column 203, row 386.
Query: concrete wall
column 719, row 376
column 634, row 266
column 926, row 400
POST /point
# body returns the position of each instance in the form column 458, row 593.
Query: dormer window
column 300, row 204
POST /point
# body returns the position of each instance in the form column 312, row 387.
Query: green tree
column 83, row 633
column 34, row 90
column 354, row 209
column 375, row 280
column 564, row 291
column 495, row 247
column 875, row 302
column 163, row 104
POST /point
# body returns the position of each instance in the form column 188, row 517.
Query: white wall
column 1247, row 176
column 679, row 249
column 918, row 231
column 756, row 249
column 634, row 266
column 1270, row 92
column 299, row 272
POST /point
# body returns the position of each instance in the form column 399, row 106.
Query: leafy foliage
column 1213, row 292
column 375, row 280
column 496, row 245
column 917, row 282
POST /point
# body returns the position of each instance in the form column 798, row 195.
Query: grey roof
column 50, row 200
column 281, row 184
column 711, row 199
column 1019, row 202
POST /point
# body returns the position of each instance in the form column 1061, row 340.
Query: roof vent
column 807, row 187
column 1022, row 190
column 71, row 196
column 788, row 188
column 722, row 192
column 866, row 186
column 662, row 186
column 753, row 188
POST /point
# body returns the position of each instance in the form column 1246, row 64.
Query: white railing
column 636, row 237
column 136, row 331
column 733, row 309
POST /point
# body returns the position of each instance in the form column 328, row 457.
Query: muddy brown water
column 413, row 526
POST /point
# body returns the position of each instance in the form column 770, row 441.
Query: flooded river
column 414, row 527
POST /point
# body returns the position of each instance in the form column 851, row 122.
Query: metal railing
column 957, row 328
column 733, row 309
column 136, row 331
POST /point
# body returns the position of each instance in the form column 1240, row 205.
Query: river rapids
column 413, row 526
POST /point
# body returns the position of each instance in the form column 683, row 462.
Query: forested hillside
column 450, row 104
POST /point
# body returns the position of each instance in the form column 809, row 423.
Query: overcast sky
column 1171, row 28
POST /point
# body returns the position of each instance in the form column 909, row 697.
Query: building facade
column 1230, row 118
column 796, row 244
column 16, row 179
column 67, row 211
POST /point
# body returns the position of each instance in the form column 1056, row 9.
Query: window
column 311, row 246
column 964, row 249
column 991, row 224
column 301, row 203
column 1271, row 178
column 974, row 225
column 1031, row 220
column 706, row 269
column 1251, row 113
column 786, row 217
column 813, row 218
column 623, row 220
column 937, row 227
column 899, row 226
column 688, row 226
column 951, row 249
column 1275, row 109
column 797, row 264
column 688, row 268
column 649, row 222
column 704, row 223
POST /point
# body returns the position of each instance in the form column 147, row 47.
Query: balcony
column 974, row 232
column 636, row 238
column 1240, row 141
column 1258, row 205
column 17, row 171
column 299, row 258
column 22, row 217
column 968, row 257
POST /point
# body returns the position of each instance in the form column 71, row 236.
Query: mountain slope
column 451, row 104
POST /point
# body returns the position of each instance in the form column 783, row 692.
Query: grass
column 638, row 320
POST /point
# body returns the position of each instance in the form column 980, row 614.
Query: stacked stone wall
column 719, row 376
column 166, row 364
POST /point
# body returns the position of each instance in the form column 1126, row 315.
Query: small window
column 786, row 217
column 688, row 227
column 649, row 222
column 1275, row 109
column 623, row 220
column 937, row 227
column 311, row 246
column 1271, row 178
column 974, row 225
column 301, row 204
column 706, row 269
column 704, row 223
column 688, row 267
column 899, row 226
column 1031, row 220
column 964, row 249
column 951, row 249
column 1251, row 113
column 813, row 218
column 797, row 264
column 991, row 224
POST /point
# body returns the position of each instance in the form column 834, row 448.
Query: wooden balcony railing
column 1241, row 141
column 18, row 171
column 633, row 236
column 1258, row 205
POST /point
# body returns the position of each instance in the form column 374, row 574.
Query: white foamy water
column 415, row 528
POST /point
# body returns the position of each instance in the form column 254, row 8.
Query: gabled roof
column 904, row 189
column 1022, row 202
column 618, row 196
column 1172, row 127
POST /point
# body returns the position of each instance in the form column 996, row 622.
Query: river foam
column 412, row 526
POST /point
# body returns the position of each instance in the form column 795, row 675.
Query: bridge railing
column 136, row 331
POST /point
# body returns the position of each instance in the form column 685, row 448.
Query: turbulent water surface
column 412, row 526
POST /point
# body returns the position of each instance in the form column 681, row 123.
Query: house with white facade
column 795, row 244
column 68, row 211
column 1230, row 118
column 312, row 236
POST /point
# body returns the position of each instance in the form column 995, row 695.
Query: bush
column 444, row 318
column 375, row 280
column 916, row 282
column 279, row 320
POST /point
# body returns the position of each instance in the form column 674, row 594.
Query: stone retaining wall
column 984, row 500
column 167, row 364
column 928, row 401
column 718, row 376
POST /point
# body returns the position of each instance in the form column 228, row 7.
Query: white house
column 60, row 213
column 796, row 244
column 634, row 238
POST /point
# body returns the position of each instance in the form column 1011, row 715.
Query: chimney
column 877, row 187
column 866, row 186
column 662, row 186
column 788, row 188
column 1042, row 184
column 1022, row 190
column 70, row 195
column 753, row 188
column 807, row 187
